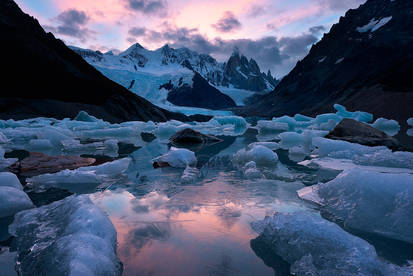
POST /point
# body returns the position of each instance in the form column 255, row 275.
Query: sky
column 276, row 33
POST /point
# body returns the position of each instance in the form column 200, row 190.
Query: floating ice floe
column 362, row 155
column 68, row 237
column 74, row 179
column 314, row 246
column 178, row 158
column 390, row 127
column 373, row 202
column 12, row 197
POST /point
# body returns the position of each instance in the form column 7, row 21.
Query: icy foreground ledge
column 370, row 201
column 314, row 246
column 68, row 237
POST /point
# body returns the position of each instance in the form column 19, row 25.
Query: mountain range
column 182, row 72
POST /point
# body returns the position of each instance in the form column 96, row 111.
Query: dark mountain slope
column 200, row 94
column 363, row 63
column 42, row 77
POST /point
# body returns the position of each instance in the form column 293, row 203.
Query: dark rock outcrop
column 43, row 77
column 190, row 136
column 356, row 132
column 39, row 163
column 200, row 94
column 363, row 70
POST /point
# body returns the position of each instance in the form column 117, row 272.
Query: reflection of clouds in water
column 229, row 215
column 139, row 237
column 224, row 268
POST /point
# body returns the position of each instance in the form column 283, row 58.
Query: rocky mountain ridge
column 364, row 62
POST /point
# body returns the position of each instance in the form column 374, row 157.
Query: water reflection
column 201, row 229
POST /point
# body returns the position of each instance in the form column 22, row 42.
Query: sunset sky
column 276, row 33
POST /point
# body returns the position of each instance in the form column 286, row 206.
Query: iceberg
column 68, row 237
column 410, row 122
column 178, row 158
column 369, row 201
column 83, row 116
column 390, row 127
column 13, row 200
column 8, row 179
column 314, row 246
column 12, row 197
column 238, row 123
column 261, row 155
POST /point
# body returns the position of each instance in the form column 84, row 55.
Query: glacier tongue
column 68, row 237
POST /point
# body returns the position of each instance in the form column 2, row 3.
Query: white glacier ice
column 68, row 237
column 314, row 246
column 370, row 201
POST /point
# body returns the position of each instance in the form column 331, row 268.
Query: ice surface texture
column 68, row 237
column 374, row 202
column 314, row 246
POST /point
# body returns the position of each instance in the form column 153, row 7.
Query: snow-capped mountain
column 145, row 72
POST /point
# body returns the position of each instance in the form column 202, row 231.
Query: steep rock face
column 364, row 62
column 45, row 78
column 200, row 94
column 244, row 74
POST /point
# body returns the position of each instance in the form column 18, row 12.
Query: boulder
column 40, row 163
column 356, row 132
column 190, row 136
